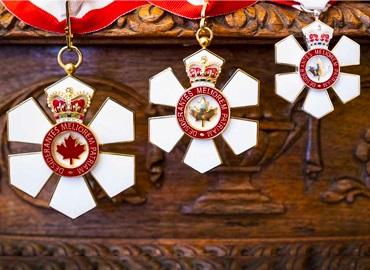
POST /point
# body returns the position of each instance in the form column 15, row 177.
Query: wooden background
column 299, row 200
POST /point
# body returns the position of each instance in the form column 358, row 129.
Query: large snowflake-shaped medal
column 202, row 112
column 70, row 149
column 317, row 69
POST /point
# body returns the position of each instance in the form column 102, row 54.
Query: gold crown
column 317, row 35
column 69, row 105
column 203, row 71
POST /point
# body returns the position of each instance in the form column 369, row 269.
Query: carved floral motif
column 223, row 254
column 348, row 188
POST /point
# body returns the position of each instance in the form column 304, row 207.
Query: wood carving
column 254, row 212
column 233, row 194
column 347, row 189
column 324, row 253
column 262, row 20
column 313, row 161
column 155, row 157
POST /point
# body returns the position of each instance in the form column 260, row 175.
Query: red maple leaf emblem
column 71, row 149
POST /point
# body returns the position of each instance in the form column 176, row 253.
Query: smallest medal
column 317, row 69
column 203, row 112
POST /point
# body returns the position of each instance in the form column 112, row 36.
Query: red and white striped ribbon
column 93, row 15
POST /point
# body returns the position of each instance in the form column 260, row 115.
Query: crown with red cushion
column 69, row 105
column 317, row 35
column 203, row 71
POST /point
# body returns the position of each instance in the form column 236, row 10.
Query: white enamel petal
column 318, row 103
column 114, row 172
column 164, row 132
column 28, row 172
column 347, row 87
column 165, row 89
column 347, row 52
column 70, row 82
column 113, row 123
column 315, row 26
column 27, row 123
column 199, row 55
column 72, row 197
column 202, row 155
column 241, row 90
column 288, row 51
column 241, row 135
column 289, row 86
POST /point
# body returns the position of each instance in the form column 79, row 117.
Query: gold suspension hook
column 69, row 68
column 204, row 34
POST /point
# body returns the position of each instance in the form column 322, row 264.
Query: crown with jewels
column 317, row 35
column 203, row 71
column 67, row 103
column 203, row 66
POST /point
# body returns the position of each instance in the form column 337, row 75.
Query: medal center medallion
column 203, row 112
column 70, row 149
column 319, row 69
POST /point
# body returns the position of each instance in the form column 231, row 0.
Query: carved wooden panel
column 319, row 253
column 299, row 200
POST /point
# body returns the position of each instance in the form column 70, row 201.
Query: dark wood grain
column 306, row 184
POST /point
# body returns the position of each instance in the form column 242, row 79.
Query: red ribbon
column 98, row 19
column 287, row 3
column 214, row 8
column 94, row 20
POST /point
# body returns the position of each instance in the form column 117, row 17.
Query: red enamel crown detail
column 319, row 39
column 317, row 35
column 69, row 104
column 203, row 71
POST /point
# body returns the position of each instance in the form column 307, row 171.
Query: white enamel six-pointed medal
column 317, row 69
column 69, row 148
column 202, row 112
